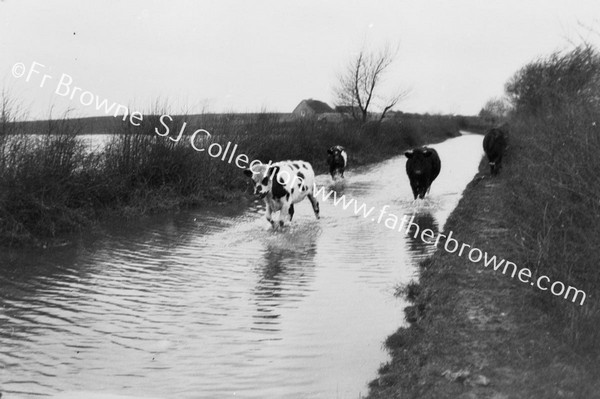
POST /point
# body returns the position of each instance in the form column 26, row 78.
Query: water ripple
column 210, row 304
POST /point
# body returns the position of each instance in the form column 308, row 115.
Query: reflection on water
column 287, row 260
column 417, row 247
column 214, row 304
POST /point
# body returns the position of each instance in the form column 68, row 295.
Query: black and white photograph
column 332, row 199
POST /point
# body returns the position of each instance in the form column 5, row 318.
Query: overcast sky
column 246, row 56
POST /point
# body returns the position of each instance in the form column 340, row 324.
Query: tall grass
column 42, row 180
column 554, row 183
column 52, row 184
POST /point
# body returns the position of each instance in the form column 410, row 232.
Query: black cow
column 337, row 160
column 494, row 145
column 422, row 167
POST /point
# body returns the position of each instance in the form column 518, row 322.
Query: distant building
column 311, row 109
column 330, row 117
column 345, row 109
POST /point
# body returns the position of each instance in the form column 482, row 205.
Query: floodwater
column 214, row 304
column 95, row 142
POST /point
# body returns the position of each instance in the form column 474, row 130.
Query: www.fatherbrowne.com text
column 451, row 245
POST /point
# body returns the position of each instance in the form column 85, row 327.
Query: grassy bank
column 476, row 333
column 51, row 185
column 479, row 333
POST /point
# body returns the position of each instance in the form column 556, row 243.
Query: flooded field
column 212, row 304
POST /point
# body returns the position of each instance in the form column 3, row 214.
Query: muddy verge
column 475, row 332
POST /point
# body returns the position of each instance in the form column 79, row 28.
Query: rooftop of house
column 318, row 106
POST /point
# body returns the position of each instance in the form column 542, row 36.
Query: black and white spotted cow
column 282, row 185
column 337, row 159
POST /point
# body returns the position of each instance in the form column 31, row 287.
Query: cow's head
column 419, row 159
column 262, row 178
column 335, row 150
column 334, row 154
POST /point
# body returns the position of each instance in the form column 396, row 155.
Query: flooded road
column 213, row 305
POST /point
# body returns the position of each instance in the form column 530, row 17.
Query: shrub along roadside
column 553, row 185
column 543, row 213
column 51, row 185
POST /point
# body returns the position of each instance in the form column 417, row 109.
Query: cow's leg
column 421, row 189
column 315, row 204
column 285, row 214
column 415, row 188
column 291, row 212
column 269, row 215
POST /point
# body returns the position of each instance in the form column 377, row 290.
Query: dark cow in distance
column 423, row 165
column 494, row 145
column 337, row 160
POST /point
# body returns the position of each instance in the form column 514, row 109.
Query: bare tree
column 495, row 110
column 357, row 90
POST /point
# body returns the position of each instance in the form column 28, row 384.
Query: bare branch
column 392, row 101
column 358, row 88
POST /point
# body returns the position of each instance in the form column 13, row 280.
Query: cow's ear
column 329, row 151
column 408, row 154
column 248, row 172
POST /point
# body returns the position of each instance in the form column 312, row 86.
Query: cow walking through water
column 337, row 159
column 494, row 145
column 282, row 185
column 423, row 165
